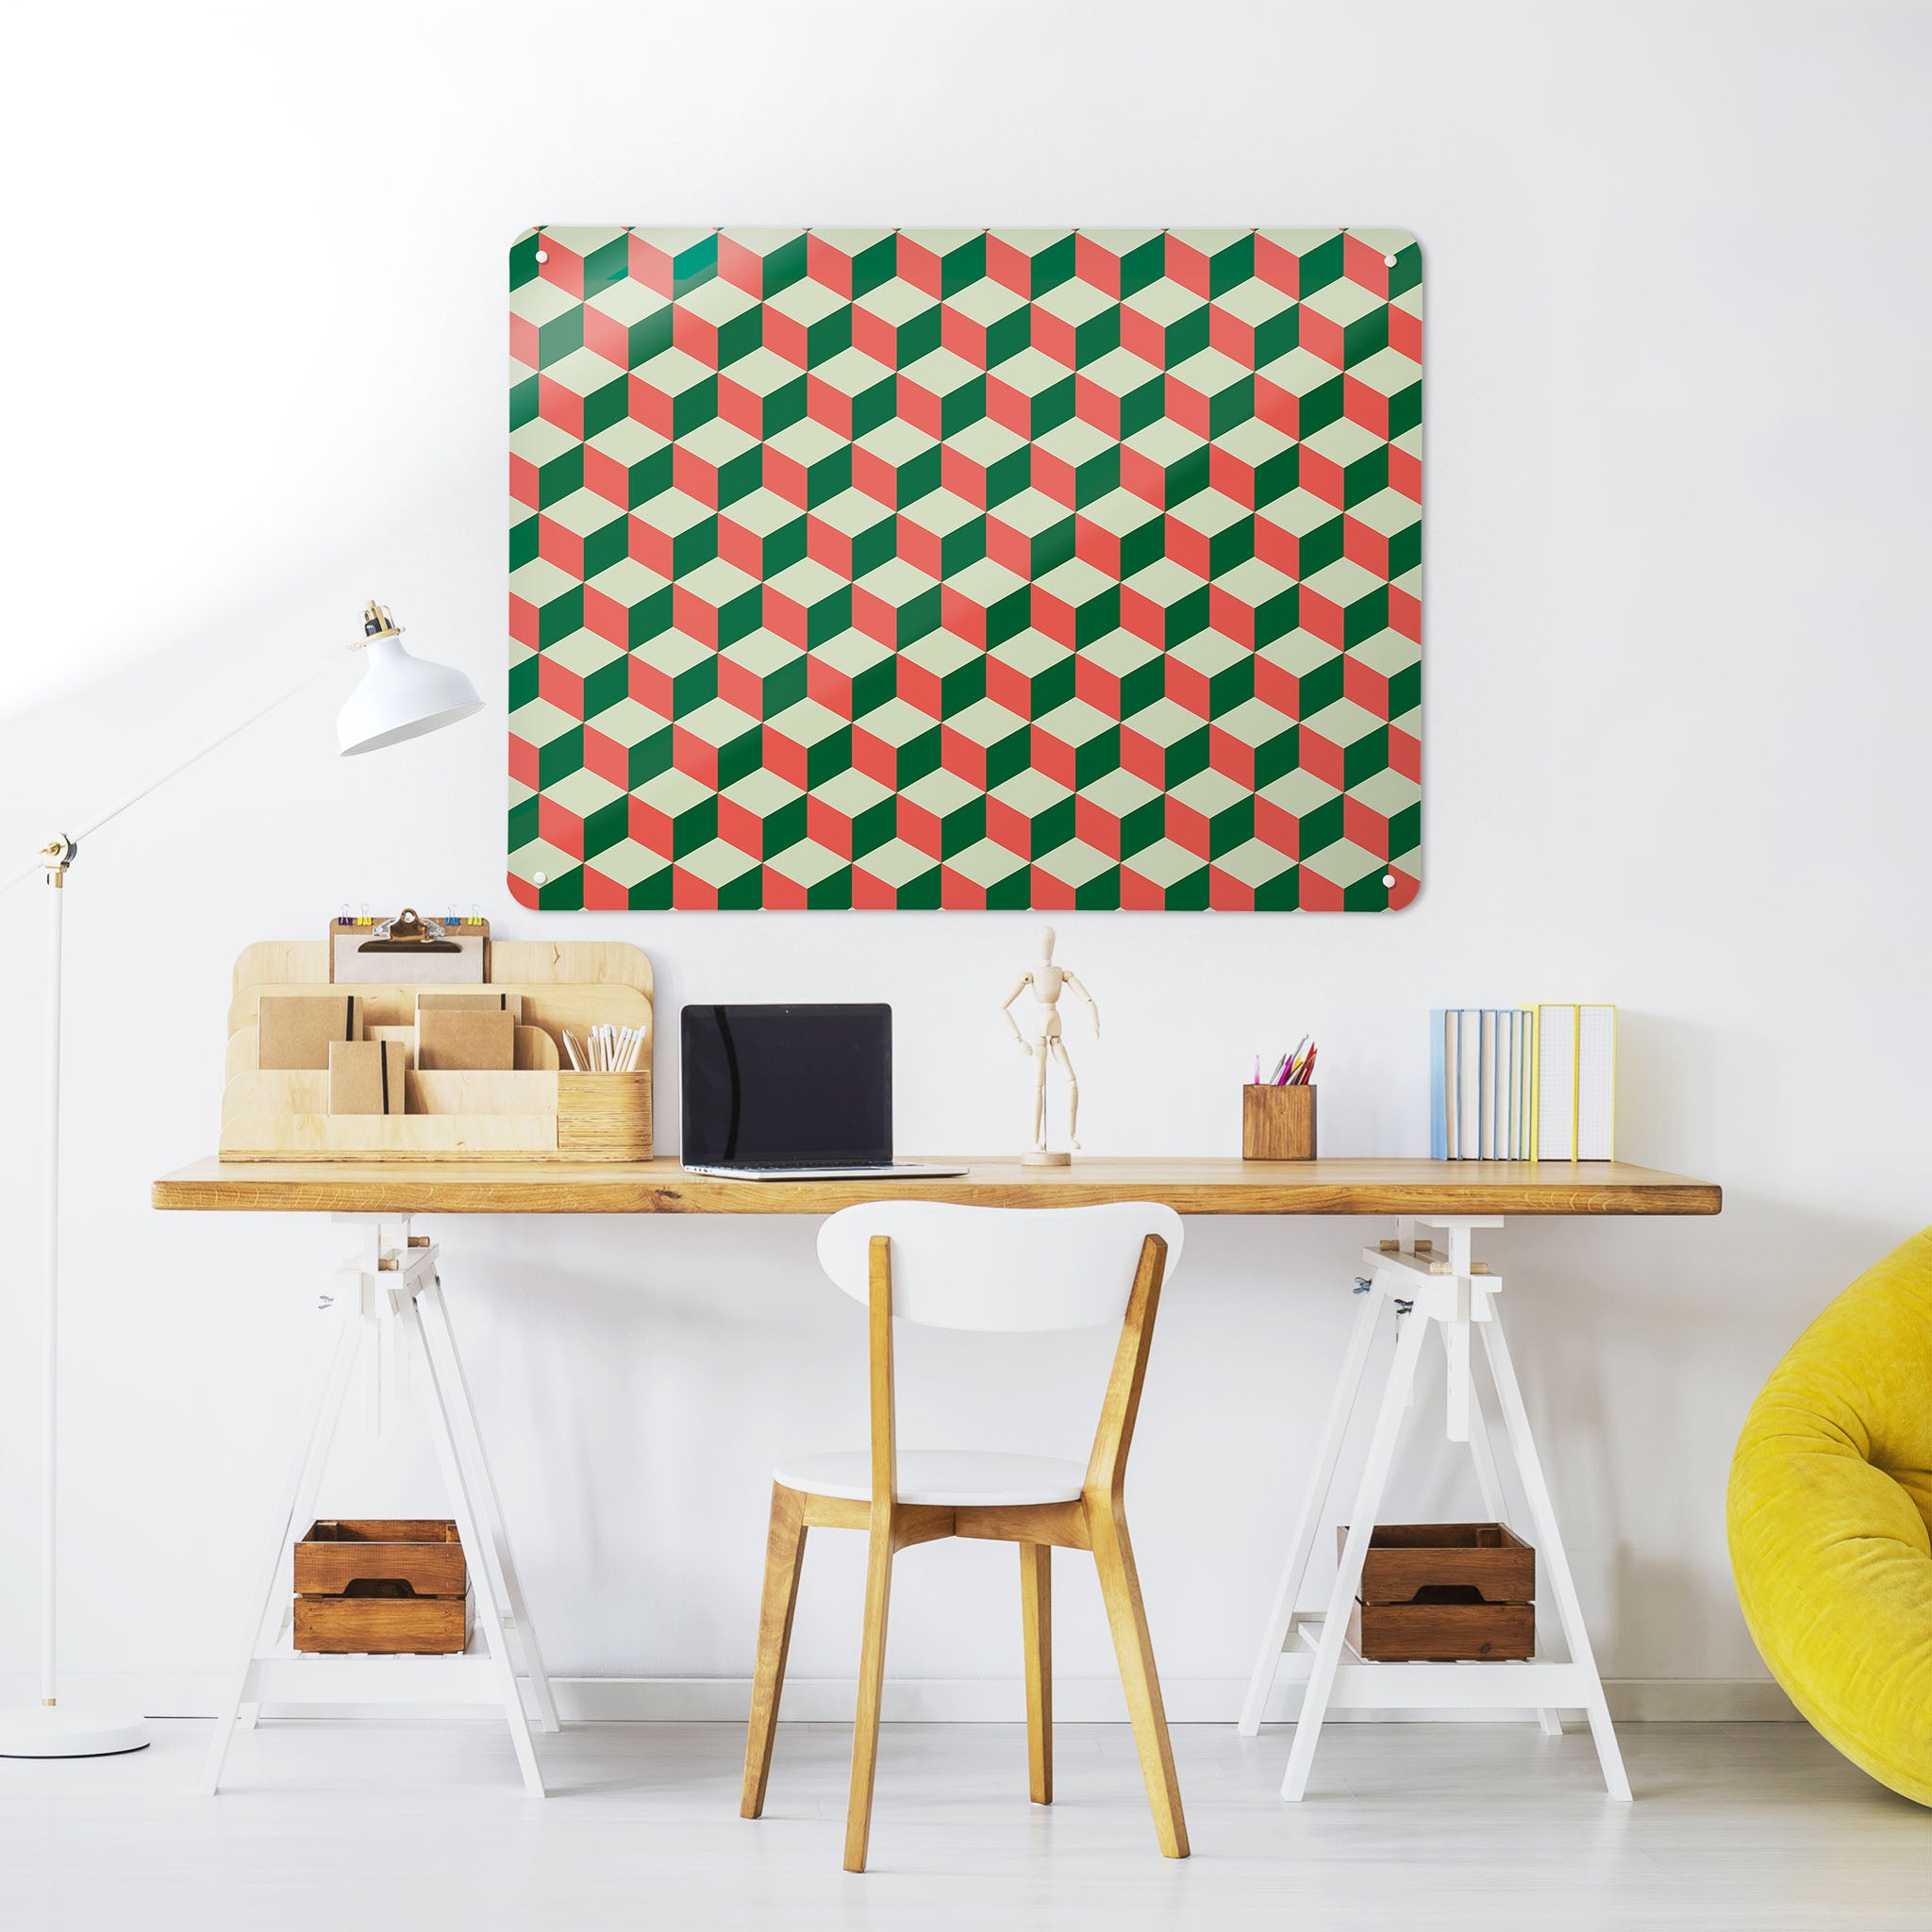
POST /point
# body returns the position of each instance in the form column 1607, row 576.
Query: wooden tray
column 1405, row 1559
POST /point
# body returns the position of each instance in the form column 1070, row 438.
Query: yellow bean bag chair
column 1830, row 1498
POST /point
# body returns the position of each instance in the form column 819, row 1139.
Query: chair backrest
column 1012, row 1270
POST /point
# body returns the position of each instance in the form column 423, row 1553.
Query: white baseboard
column 940, row 1700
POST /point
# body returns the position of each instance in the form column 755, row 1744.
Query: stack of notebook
column 1522, row 1083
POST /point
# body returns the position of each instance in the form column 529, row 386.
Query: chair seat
column 950, row 1478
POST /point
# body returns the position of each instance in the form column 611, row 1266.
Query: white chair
column 1012, row 1271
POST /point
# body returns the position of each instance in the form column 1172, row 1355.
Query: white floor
column 347, row 1826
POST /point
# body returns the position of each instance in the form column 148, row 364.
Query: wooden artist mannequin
column 1047, row 980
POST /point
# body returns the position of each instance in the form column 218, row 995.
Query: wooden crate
column 385, row 1585
column 1444, row 1592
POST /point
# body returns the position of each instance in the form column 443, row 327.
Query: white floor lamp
column 399, row 697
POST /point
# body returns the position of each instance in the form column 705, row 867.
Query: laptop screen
column 788, row 1085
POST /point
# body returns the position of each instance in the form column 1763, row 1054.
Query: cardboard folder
column 366, row 1077
column 449, row 1039
column 294, row 1029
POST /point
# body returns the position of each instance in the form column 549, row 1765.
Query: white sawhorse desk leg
column 394, row 1285
column 1426, row 1289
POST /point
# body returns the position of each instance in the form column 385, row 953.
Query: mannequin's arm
column 1007, row 1011
column 1092, row 1004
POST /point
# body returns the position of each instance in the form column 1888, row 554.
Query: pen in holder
column 1278, row 1122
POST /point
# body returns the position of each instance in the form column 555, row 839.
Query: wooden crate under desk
column 540, row 1111
column 383, row 1586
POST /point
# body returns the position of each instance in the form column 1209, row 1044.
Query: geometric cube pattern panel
column 965, row 568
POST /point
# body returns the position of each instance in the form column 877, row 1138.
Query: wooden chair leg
column 1119, row 1587
column 872, row 1681
column 1035, row 1617
column 784, row 1555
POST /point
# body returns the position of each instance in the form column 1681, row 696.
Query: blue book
column 1438, row 1084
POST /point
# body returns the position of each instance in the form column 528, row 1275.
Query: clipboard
column 409, row 948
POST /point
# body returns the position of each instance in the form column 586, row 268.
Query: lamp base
column 50, row 1730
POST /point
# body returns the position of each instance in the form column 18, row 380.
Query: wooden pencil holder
column 1278, row 1122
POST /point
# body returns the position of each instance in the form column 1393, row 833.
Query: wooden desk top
column 1191, row 1187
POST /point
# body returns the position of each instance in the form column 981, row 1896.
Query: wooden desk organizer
column 540, row 1111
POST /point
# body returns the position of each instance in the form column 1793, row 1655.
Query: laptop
column 792, row 1093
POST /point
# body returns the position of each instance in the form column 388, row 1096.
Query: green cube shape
column 905, row 601
column 947, row 801
column 819, row 316
column 601, row 668
column 1226, row 668
column 554, row 735
column 1089, row 455
column 688, row 388
column 1358, row 313
column 1312, row 387
column 1079, row 315
column 600, row 526
column 996, row 311
column 822, row 457
column 1177, row 595
column 1092, row 597
column 943, row 528
column 1136, row 388
column 1046, row 806
column 684, row 532
column 867, row 388
column 1137, row 528
column 1001, row 737
column 551, row 315
column 632, row 318
column 1360, row 735
column 524, row 667
column 1138, row 808
column 1091, row 877
column 675, row 671
column 1130, row 665
column 990, row 449
column 870, row 526
column 602, row 389
column 557, row 599
column 1034, row 675
column 1170, row 457
column 778, row 806
column 1215, row 524
column 628, row 742
column 940, row 661
column 689, row 807
column 869, row 808
column 1226, row 808
column 1261, row 312
column 628, row 462
column 1312, row 803
column 1030, row 393
column 1171, row 741
column 1361, row 597
column 1358, row 453
column 546, row 463
column 1004, row 599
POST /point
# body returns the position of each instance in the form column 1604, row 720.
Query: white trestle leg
column 1428, row 1288
column 389, row 1306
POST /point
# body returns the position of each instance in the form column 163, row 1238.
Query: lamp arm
column 175, row 771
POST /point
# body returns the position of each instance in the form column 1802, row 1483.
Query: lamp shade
column 401, row 696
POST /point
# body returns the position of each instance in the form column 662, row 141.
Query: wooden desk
column 1424, row 1287
column 1420, row 1188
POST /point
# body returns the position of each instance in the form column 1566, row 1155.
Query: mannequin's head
column 1047, row 943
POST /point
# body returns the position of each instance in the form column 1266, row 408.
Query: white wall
column 1677, row 725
